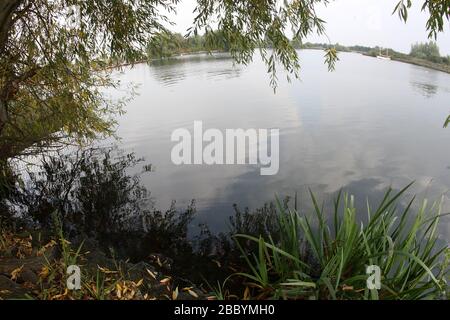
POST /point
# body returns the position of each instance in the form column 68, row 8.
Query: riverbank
column 33, row 265
column 423, row 63
column 285, row 259
column 112, row 66
column 443, row 66
column 396, row 57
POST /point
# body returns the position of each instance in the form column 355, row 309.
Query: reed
column 315, row 258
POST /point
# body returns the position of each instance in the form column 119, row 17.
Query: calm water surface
column 368, row 125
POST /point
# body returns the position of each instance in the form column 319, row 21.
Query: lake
column 368, row 125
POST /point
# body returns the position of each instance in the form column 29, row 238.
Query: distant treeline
column 428, row 51
column 419, row 51
column 167, row 44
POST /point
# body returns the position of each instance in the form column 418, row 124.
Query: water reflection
column 228, row 73
column 215, row 66
column 426, row 89
column 425, row 81
column 363, row 127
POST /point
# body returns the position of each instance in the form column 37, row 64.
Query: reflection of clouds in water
column 215, row 212
column 362, row 131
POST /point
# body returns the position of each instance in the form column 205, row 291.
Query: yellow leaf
column 247, row 293
column 60, row 296
column 106, row 271
column 347, row 288
column 15, row 273
column 44, row 272
column 175, row 294
column 192, row 293
column 151, row 274
column 119, row 290
column 140, row 282
column 47, row 246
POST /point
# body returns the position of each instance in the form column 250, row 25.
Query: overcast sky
column 350, row 22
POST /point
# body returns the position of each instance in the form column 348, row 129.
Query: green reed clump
column 314, row 258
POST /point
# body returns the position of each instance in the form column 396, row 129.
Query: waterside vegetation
column 129, row 250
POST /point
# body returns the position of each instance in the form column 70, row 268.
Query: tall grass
column 318, row 259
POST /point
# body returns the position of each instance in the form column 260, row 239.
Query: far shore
column 407, row 59
column 424, row 63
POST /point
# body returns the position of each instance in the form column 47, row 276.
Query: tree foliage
column 167, row 44
column 428, row 51
column 251, row 25
column 50, row 84
column 438, row 10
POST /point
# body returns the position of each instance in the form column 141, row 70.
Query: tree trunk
column 3, row 115
column 7, row 8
